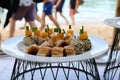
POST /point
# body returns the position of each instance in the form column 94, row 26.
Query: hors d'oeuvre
column 69, row 50
column 44, row 51
column 33, row 49
column 57, row 52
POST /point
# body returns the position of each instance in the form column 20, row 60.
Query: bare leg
column 56, row 15
column 54, row 21
column 12, row 27
column 64, row 18
column 43, row 21
column 37, row 17
column 32, row 24
column 72, row 18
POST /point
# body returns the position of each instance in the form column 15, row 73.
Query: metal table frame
column 87, row 67
column 112, row 70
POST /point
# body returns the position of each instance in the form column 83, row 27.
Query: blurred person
column 11, row 6
column 36, row 16
column 73, row 10
column 25, row 10
column 47, row 11
column 58, row 5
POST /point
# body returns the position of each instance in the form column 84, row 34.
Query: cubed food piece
column 57, row 52
column 44, row 51
column 33, row 49
column 69, row 50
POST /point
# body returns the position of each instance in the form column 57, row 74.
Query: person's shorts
column 47, row 8
column 59, row 8
column 26, row 12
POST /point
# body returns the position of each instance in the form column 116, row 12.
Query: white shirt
column 25, row 3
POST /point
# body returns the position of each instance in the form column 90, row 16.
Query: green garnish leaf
column 69, row 26
column 34, row 29
column 55, row 29
column 46, row 30
column 27, row 27
column 48, row 27
column 81, row 31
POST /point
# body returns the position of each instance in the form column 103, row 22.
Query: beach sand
column 100, row 30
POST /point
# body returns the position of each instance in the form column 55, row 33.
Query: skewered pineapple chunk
column 83, row 34
column 28, row 32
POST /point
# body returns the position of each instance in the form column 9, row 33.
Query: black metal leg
column 112, row 70
column 13, row 72
column 26, row 70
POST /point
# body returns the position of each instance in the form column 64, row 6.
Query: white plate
column 114, row 22
column 10, row 47
column 21, row 46
column 104, row 58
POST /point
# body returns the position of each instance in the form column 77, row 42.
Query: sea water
column 93, row 10
column 96, row 10
column 90, row 11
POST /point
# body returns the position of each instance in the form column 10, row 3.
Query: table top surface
column 10, row 47
column 113, row 22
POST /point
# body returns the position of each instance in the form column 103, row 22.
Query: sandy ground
column 97, row 29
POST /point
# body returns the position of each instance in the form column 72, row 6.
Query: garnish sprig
column 27, row 27
column 70, row 27
column 48, row 28
column 34, row 29
column 82, row 30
